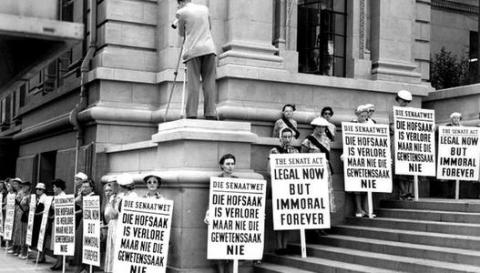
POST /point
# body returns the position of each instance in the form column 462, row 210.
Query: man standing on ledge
column 199, row 56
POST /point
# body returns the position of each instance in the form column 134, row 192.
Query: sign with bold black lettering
column 143, row 235
column 10, row 217
column 64, row 238
column 43, row 225
column 236, row 218
column 367, row 163
column 91, row 230
column 31, row 215
column 414, row 130
column 300, row 197
column 458, row 153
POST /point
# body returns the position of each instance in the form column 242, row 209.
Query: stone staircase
column 430, row 235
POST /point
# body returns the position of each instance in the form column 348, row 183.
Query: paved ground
column 12, row 264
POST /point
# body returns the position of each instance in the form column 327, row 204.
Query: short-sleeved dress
column 309, row 147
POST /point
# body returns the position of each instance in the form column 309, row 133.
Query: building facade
column 105, row 115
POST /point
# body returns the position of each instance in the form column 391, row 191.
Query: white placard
column 300, row 198
column 367, row 163
column 143, row 235
column 43, row 225
column 10, row 217
column 91, row 230
column 237, row 218
column 31, row 217
column 414, row 134
column 64, row 235
column 458, row 153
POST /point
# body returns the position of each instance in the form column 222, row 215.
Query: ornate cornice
column 455, row 6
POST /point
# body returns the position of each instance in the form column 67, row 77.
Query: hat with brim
column 360, row 109
column 404, row 95
column 152, row 175
column 370, row 107
column 81, row 176
column 125, row 180
column 320, row 122
column 40, row 186
column 455, row 114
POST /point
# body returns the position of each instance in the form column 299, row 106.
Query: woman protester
column 319, row 142
column 327, row 114
column 22, row 201
column 87, row 189
column 286, row 137
column 286, row 121
column 153, row 185
column 11, row 191
column 227, row 165
column 361, row 201
column 110, row 213
column 403, row 98
column 37, row 219
column 58, row 191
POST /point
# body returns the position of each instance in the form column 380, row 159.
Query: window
column 321, row 37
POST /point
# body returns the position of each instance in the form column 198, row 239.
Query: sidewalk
column 12, row 264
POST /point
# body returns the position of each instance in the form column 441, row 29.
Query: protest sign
column 367, row 159
column 300, row 197
column 414, row 141
column 458, row 153
column 43, row 225
column 237, row 218
column 143, row 235
column 31, row 216
column 91, row 230
column 10, row 217
column 64, row 235
column 1, row 216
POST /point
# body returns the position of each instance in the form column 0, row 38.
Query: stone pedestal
column 391, row 41
column 187, row 156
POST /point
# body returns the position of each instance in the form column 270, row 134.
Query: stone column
column 358, row 54
column 285, row 29
column 249, row 35
column 392, row 40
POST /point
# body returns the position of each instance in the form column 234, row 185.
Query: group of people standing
column 114, row 191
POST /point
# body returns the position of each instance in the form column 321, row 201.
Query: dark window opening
column 473, row 56
column 321, row 37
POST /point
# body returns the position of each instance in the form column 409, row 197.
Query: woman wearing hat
column 361, row 206
column 318, row 142
column 153, row 185
column 37, row 220
column 286, row 121
column 110, row 213
column 404, row 182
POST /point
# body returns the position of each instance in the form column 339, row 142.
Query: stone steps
column 313, row 264
column 434, row 204
column 452, row 255
column 386, row 261
column 408, row 236
column 432, row 236
column 418, row 225
column 430, row 215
